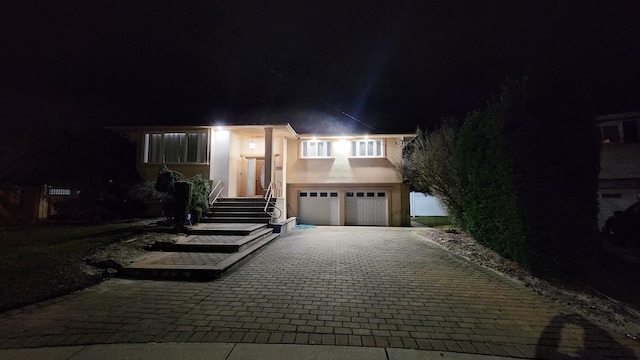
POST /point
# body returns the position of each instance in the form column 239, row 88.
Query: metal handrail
column 268, row 195
column 269, row 191
column 217, row 195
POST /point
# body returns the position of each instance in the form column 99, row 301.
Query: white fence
column 425, row 205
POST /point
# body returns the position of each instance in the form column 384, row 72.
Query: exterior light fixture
column 252, row 144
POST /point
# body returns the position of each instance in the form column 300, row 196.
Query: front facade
column 619, row 180
column 321, row 180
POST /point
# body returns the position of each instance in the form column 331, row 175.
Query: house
column 619, row 180
column 349, row 179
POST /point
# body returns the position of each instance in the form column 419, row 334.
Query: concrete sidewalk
column 230, row 351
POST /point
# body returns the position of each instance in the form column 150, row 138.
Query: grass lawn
column 44, row 261
column 434, row 221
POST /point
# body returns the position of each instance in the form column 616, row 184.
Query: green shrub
column 196, row 214
column 529, row 170
column 198, row 195
column 182, row 194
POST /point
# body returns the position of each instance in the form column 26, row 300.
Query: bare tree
column 431, row 166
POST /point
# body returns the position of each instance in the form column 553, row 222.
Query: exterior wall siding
column 343, row 173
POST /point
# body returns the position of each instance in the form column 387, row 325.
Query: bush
column 196, row 214
column 529, row 166
column 431, row 166
column 182, row 195
column 198, row 194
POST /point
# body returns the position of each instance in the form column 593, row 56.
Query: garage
column 366, row 208
column 318, row 207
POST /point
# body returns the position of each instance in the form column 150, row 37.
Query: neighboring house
column 619, row 184
column 21, row 205
column 320, row 179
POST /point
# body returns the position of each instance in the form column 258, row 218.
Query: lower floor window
column 175, row 147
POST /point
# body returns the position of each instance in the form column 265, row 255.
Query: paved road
column 344, row 286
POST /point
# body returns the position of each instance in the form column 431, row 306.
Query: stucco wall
column 343, row 169
column 619, row 178
column 620, row 161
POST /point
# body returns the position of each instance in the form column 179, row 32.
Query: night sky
column 321, row 65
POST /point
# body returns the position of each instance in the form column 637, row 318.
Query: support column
column 268, row 156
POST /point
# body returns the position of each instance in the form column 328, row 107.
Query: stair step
column 236, row 208
column 239, row 213
column 227, row 228
column 237, row 219
column 190, row 265
column 214, row 243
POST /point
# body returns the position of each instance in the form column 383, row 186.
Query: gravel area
column 587, row 302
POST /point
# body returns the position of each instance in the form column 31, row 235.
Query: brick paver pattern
column 213, row 239
column 381, row 287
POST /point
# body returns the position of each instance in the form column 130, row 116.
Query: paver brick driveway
column 357, row 286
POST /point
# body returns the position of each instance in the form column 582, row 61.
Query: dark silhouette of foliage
column 529, row 165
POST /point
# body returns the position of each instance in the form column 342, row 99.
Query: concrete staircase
column 228, row 232
column 238, row 210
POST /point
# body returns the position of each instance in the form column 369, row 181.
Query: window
column 367, row 148
column 60, row 191
column 316, row 149
column 175, row 147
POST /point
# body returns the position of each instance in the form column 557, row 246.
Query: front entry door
column 259, row 176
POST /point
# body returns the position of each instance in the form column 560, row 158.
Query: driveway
column 353, row 286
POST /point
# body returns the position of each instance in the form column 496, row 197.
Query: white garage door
column 318, row 207
column 366, row 208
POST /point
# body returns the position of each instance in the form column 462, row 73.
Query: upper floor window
column 316, row 148
column 367, row 148
column 175, row 147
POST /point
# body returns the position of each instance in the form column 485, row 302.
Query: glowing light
column 222, row 134
column 252, row 145
column 342, row 146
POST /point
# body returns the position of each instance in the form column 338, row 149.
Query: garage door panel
column 366, row 208
column 319, row 207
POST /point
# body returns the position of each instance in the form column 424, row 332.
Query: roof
column 635, row 115
column 246, row 127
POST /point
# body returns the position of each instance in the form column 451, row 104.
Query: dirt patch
column 595, row 306
column 123, row 253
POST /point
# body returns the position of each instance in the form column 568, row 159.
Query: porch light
column 252, row 144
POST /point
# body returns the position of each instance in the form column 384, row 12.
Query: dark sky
column 392, row 65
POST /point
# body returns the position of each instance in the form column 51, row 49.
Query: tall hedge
column 529, row 168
